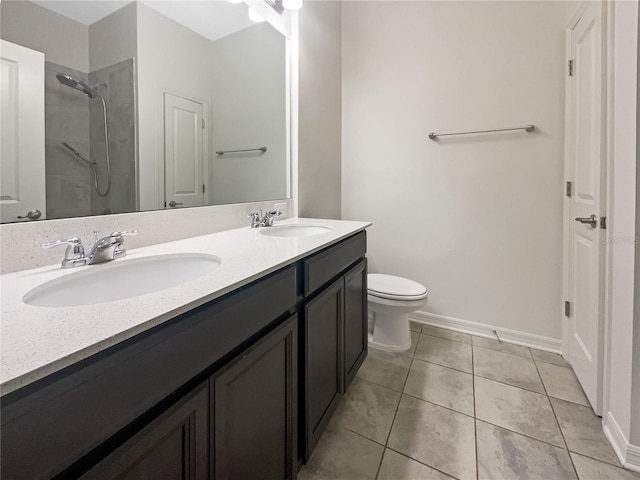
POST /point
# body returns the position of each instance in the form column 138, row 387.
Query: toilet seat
column 391, row 287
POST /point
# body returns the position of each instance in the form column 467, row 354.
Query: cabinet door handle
column 173, row 203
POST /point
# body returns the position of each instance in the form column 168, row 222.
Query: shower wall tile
column 121, row 122
column 68, row 192
column 53, row 125
column 66, row 119
column 62, row 162
column 119, row 98
column 75, row 124
column 121, row 83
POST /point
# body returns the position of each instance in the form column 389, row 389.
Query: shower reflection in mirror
column 138, row 97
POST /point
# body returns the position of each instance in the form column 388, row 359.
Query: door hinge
column 203, row 123
column 567, row 308
column 603, row 223
column 570, row 68
column 203, row 188
column 165, row 204
column 569, row 189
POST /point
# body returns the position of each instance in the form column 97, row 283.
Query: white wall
column 65, row 41
column 623, row 221
column 113, row 38
column 170, row 57
column 240, row 114
column 248, row 90
column 478, row 220
column 320, row 110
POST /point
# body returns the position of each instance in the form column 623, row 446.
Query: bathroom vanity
column 239, row 382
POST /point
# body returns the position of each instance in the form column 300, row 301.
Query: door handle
column 173, row 203
column 592, row 220
column 32, row 214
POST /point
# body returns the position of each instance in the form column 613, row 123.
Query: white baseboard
column 628, row 454
column 482, row 330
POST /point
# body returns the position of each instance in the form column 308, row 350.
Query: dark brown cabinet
column 355, row 320
column 334, row 333
column 323, row 327
column 174, row 446
column 254, row 410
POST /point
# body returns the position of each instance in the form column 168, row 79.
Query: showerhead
column 69, row 81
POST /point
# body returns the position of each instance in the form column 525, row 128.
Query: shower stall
column 90, row 140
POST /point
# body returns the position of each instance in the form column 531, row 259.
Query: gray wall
column 113, row 38
column 64, row 41
column 248, row 111
column 320, row 110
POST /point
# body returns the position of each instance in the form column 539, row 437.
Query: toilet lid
column 390, row 286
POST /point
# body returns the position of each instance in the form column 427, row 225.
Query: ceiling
column 212, row 19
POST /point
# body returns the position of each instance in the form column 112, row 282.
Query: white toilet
column 391, row 299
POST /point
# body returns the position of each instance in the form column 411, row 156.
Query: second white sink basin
column 294, row 230
column 122, row 279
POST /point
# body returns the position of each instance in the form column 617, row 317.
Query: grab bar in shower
column 526, row 128
column 261, row 149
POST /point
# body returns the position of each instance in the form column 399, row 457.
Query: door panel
column 183, row 152
column 323, row 325
column 172, row 447
column 355, row 320
column 586, row 169
column 254, row 405
column 22, row 173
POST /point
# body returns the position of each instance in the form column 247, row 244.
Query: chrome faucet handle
column 73, row 255
column 267, row 221
column 120, row 251
column 256, row 218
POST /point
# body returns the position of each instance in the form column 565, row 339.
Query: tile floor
column 465, row 407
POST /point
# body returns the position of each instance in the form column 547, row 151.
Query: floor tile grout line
column 511, row 385
column 504, row 353
column 566, row 445
column 398, row 406
column 420, row 462
column 616, row 465
column 445, row 366
column 447, row 338
column 521, row 434
column 475, row 421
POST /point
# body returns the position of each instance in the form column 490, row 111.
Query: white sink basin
column 294, row 230
column 121, row 279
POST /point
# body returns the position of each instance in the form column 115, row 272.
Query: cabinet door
column 254, row 410
column 172, row 447
column 355, row 320
column 323, row 337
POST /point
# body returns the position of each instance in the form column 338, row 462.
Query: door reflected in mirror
column 129, row 106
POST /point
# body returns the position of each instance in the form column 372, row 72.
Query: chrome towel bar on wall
column 526, row 128
column 261, row 149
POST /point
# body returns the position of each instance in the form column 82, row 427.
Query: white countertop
column 37, row 341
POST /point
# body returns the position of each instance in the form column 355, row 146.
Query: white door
column 586, row 171
column 183, row 152
column 22, row 173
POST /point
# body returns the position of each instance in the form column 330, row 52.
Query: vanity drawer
column 322, row 267
column 49, row 425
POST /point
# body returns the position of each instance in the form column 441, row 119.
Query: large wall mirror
column 118, row 106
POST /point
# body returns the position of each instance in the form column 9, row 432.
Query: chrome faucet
column 104, row 250
column 266, row 220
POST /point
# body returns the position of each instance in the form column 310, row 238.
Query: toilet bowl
column 390, row 300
